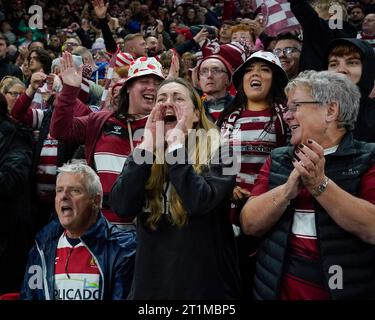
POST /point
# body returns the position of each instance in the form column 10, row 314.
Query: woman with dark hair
column 186, row 246
column 253, row 124
column 16, row 220
column 108, row 136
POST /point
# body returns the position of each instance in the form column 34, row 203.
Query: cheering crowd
column 188, row 149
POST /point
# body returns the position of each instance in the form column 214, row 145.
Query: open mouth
column 294, row 127
column 169, row 118
column 66, row 209
column 255, row 84
column 149, row 97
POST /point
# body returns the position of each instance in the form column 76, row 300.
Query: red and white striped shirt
column 255, row 143
column 111, row 151
column 47, row 169
column 77, row 273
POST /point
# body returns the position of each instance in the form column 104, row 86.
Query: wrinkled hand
column 311, row 164
column 293, row 185
column 100, row 8
column 69, row 73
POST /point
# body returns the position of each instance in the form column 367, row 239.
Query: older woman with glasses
column 12, row 90
column 313, row 202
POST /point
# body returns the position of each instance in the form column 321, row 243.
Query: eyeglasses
column 292, row 107
column 14, row 93
column 214, row 71
column 286, row 51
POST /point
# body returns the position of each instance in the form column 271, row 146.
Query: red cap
column 185, row 31
column 227, row 65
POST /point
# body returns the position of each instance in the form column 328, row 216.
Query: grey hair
column 91, row 179
column 328, row 86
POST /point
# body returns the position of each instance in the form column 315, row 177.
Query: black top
column 8, row 69
column 196, row 261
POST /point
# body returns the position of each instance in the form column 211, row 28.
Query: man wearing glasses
column 214, row 76
column 288, row 49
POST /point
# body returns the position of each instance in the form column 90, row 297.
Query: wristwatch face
column 323, row 186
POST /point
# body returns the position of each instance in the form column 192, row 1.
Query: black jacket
column 8, row 69
column 196, row 261
column 316, row 35
column 365, row 124
column 15, row 214
column 336, row 246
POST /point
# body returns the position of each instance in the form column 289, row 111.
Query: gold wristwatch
column 321, row 188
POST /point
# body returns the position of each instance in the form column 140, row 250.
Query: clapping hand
column 310, row 165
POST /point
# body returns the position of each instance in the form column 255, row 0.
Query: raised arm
column 82, row 35
column 21, row 110
column 101, row 12
column 316, row 34
column 200, row 37
column 64, row 126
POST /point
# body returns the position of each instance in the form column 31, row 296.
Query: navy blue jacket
column 113, row 249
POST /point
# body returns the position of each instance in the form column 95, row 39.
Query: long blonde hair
column 205, row 146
